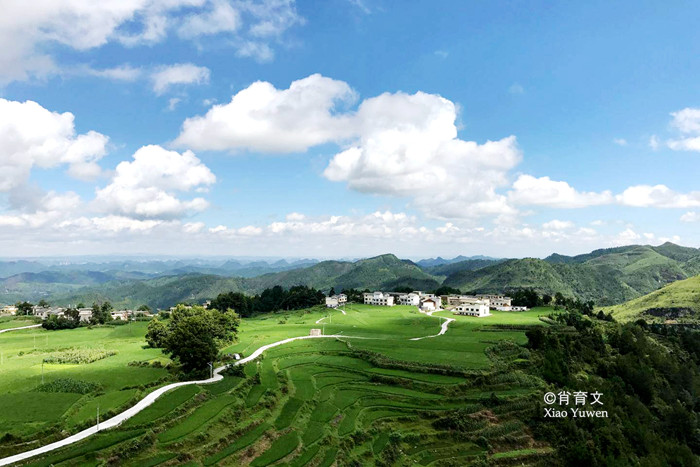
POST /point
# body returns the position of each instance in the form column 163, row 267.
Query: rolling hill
column 679, row 301
column 607, row 276
column 382, row 272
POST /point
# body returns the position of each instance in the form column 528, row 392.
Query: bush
column 69, row 385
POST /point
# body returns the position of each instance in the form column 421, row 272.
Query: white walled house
column 478, row 309
column 378, row 298
column 412, row 299
column 336, row 300
column 430, row 304
column 495, row 301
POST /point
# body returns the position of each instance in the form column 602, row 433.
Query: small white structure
column 495, row 301
column 412, row 299
column 8, row 310
column 479, row 309
column 336, row 300
column 315, row 332
column 85, row 314
column 378, row 298
column 511, row 308
column 429, row 304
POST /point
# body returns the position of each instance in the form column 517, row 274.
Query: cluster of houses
column 470, row 305
column 84, row 314
column 334, row 301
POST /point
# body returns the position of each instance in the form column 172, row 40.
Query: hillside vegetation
column 382, row 272
column 679, row 301
column 607, row 277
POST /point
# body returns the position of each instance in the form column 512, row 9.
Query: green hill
column 607, row 276
column 679, row 300
column 382, row 272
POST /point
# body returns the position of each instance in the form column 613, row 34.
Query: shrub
column 69, row 385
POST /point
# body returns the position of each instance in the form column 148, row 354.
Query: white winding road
column 151, row 398
column 23, row 327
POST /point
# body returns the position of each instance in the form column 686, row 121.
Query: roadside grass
column 163, row 405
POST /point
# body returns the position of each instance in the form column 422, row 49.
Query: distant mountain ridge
column 606, row 276
column 381, row 272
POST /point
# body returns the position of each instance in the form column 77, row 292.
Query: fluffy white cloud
column 690, row 216
column 221, row 17
column 407, row 146
column 620, row 141
column 262, row 118
column 556, row 224
column 396, row 144
column 27, row 33
column 658, row 196
column 146, row 187
column 32, row 136
column 687, row 121
column 182, row 73
column 543, row 191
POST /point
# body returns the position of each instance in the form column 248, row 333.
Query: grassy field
column 36, row 412
column 7, row 322
column 312, row 402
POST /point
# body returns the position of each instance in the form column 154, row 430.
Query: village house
column 496, row 301
column 336, row 300
column 412, row 299
column 8, row 310
column 479, row 309
column 378, row 298
column 85, row 314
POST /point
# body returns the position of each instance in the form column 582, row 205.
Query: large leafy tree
column 194, row 335
column 236, row 301
column 24, row 308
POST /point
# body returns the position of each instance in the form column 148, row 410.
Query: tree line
column 273, row 299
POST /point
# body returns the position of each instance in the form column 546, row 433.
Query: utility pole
column 98, row 417
column 211, row 370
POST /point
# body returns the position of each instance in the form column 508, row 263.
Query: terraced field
column 380, row 398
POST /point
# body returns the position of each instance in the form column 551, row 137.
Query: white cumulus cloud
column 165, row 77
column 263, row 118
column 28, row 32
column 658, row 196
column 147, row 187
column 543, row 191
column 687, row 122
column 32, row 136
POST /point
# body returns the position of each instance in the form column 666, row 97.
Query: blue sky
column 347, row 127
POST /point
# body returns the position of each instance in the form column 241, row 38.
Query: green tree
column 238, row 302
column 331, row 292
column 24, row 308
column 144, row 308
column 73, row 314
column 43, row 303
column 80, row 305
column 101, row 313
column 546, row 299
column 157, row 333
column 195, row 335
